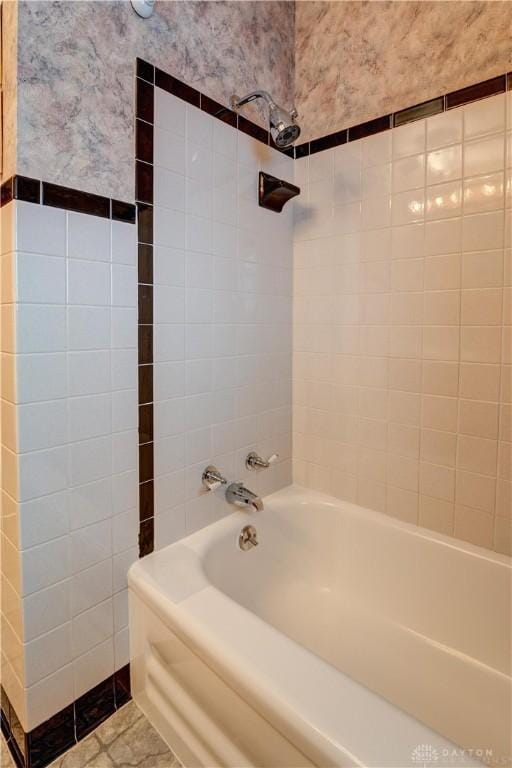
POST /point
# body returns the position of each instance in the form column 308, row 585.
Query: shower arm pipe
column 236, row 103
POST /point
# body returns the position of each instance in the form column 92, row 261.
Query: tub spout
column 237, row 494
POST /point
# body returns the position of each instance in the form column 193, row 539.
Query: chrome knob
column 248, row 538
column 212, row 478
column 253, row 461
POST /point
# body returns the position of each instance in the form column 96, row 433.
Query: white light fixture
column 143, row 8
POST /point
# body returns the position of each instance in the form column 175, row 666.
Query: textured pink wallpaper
column 76, row 76
column 358, row 60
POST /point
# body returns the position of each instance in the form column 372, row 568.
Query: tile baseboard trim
column 45, row 193
column 428, row 108
column 45, row 743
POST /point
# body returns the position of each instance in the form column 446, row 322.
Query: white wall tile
column 90, row 587
column 169, row 150
column 45, row 565
column 125, row 530
column 90, row 460
column 444, row 129
column 484, row 116
column 88, row 328
column 39, row 377
column 92, row 627
column 123, row 244
column 484, row 155
column 89, row 372
column 42, row 472
column 47, row 654
column 49, row 695
column 169, row 189
column 123, row 328
column 89, row 503
column 88, row 237
column 89, row 417
column 169, row 111
column 46, row 609
column 417, row 330
column 69, row 379
column 93, row 667
column 40, row 328
column 90, row 545
column 40, row 279
column 43, row 519
column 88, row 283
column 40, row 229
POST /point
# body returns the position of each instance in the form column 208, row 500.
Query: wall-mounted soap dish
column 274, row 193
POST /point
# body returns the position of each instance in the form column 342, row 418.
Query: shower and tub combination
column 333, row 642
column 256, row 353
column 302, row 627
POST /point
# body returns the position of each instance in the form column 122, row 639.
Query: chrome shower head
column 283, row 128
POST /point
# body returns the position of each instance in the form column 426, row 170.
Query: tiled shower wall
column 402, row 312
column 222, row 315
column 69, row 452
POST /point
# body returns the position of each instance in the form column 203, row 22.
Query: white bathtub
column 345, row 638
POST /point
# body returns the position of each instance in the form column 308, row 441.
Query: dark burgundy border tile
column 146, row 500
column 146, row 462
column 57, row 196
column 145, row 263
column 251, row 129
column 144, row 101
column 52, row 738
column 328, row 142
column 145, row 70
column 122, row 686
column 143, row 182
column 147, row 537
column 509, row 81
column 419, row 111
column 302, row 150
column 143, row 141
column 219, row 111
column 370, row 128
column 177, row 87
column 145, row 344
column 145, row 223
column 145, row 301
column 73, row 200
column 48, row 741
column 145, row 384
column 478, row 91
column 145, row 423
column 27, row 189
column 94, row 707
column 6, row 191
column 123, row 211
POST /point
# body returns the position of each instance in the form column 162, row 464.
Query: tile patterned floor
column 125, row 740
column 5, row 755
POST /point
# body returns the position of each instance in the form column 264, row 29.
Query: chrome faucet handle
column 212, row 478
column 253, row 461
